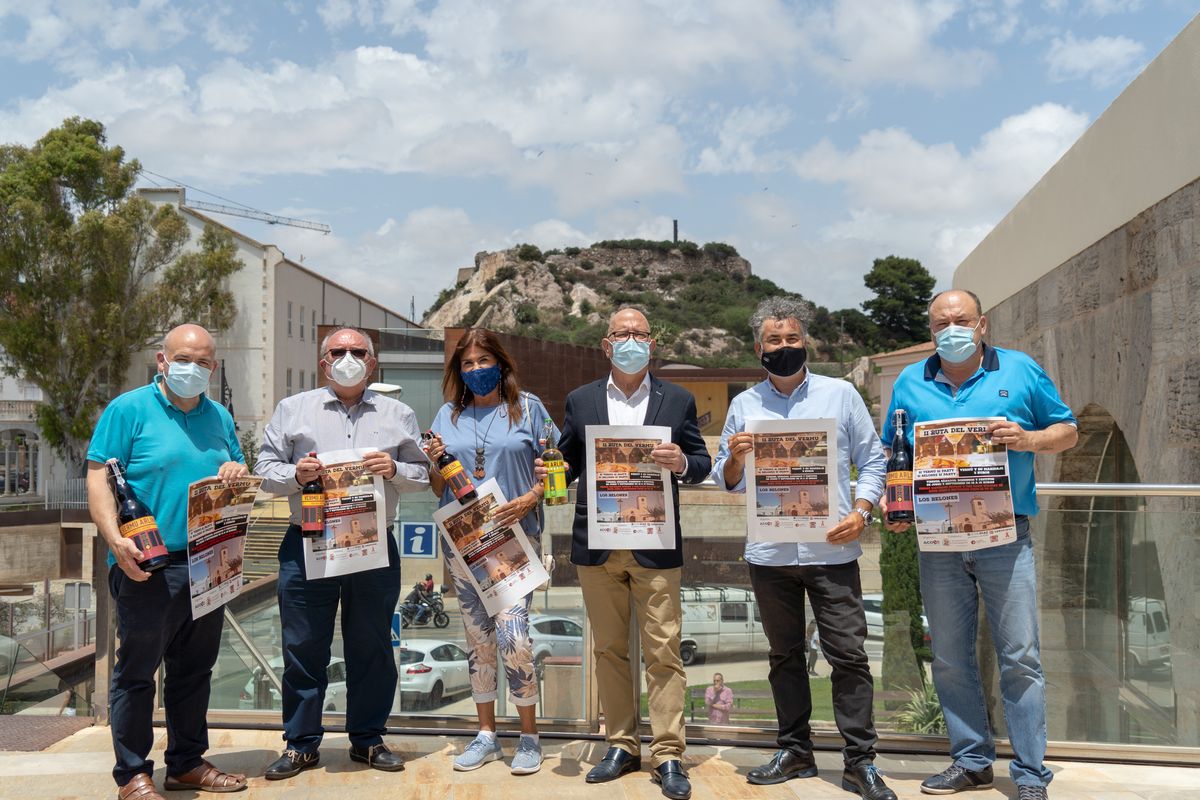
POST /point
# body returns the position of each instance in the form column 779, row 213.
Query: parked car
column 873, row 607
column 718, row 620
column 431, row 669
column 1147, row 636
column 335, row 692
column 554, row 636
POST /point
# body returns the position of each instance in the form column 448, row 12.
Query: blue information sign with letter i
column 418, row 540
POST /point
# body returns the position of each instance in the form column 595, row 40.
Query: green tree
column 902, row 290
column 91, row 273
column 903, row 645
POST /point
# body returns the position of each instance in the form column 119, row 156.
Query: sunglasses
column 338, row 352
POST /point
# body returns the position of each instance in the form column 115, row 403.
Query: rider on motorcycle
column 419, row 596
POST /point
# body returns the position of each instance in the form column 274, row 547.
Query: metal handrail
column 1060, row 489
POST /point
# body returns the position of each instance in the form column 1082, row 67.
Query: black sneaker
column 957, row 779
column 290, row 764
column 1031, row 792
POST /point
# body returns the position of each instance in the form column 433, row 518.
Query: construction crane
column 262, row 216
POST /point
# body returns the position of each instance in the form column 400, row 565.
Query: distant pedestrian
column 718, row 699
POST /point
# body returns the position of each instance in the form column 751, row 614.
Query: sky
column 813, row 136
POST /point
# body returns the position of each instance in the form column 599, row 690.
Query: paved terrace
column 78, row 767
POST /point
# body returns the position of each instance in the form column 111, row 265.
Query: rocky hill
column 698, row 299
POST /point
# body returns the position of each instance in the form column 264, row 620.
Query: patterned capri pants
column 505, row 635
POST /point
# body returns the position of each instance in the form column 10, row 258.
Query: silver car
column 554, row 636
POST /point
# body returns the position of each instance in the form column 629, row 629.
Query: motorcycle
column 421, row 612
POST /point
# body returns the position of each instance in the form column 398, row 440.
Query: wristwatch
column 868, row 517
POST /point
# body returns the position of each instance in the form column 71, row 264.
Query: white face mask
column 347, row 371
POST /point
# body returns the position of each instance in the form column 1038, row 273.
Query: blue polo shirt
column 163, row 449
column 1007, row 384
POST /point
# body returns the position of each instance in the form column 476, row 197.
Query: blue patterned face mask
column 482, row 381
column 956, row 343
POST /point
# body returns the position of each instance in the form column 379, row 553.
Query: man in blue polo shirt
column 967, row 378
column 166, row 435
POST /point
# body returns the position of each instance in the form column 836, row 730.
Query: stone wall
column 30, row 553
column 1116, row 327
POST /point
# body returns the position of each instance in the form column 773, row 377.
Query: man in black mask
column 827, row 571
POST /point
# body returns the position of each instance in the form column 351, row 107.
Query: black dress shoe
column 957, row 779
column 616, row 762
column 783, row 767
column 673, row 780
column 866, row 781
column 290, row 764
column 377, row 756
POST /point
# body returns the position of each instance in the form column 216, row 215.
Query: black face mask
column 785, row 361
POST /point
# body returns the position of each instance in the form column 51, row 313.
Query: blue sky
column 813, row 136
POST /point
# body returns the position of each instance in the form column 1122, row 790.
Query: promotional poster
column 218, row 514
column 791, row 480
column 355, row 520
column 629, row 496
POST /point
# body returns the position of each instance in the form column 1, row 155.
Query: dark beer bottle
column 136, row 522
column 556, row 469
column 312, row 507
column 900, row 473
column 452, row 472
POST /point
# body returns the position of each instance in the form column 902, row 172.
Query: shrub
column 689, row 249
column 572, row 251
column 586, row 264
column 505, row 273
column 552, row 252
column 585, row 308
column 527, row 314
column 922, row 713
column 720, row 250
column 529, row 252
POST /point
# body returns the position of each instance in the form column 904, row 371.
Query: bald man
column 968, row 378
column 166, row 435
column 630, row 395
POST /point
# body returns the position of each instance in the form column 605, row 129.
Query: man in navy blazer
column 630, row 395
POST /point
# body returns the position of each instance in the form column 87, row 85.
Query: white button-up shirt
column 629, row 410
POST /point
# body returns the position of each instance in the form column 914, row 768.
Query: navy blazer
column 670, row 406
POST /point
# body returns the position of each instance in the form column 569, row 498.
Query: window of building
column 302, row 371
column 289, row 318
column 302, row 338
column 313, row 330
column 289, row 382
column 312, row 380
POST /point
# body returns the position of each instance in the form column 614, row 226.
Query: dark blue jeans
column 306, row 612
column 155, row 626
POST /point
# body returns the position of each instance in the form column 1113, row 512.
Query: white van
column 1147, row 636
column 718, row 620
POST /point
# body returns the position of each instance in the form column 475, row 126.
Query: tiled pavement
column 79, row 767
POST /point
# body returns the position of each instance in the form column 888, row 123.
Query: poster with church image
column 355, row 536
column 218, row 516
column 961, row 492
column 629, row 496
column 791, row 480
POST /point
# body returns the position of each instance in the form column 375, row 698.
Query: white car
column 554, row 636
column 431, row 669
column 873, row 607
column 335, row 692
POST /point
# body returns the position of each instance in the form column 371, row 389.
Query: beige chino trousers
column 607, row 589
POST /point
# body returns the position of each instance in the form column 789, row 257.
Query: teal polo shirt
column 163, row 450
column 1007, row 384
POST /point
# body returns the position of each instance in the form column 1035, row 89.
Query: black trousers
column 155, row 626
column 836, row 597
column 306, row 613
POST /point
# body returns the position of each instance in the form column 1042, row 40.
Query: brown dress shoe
column 140, row 787
column 206, row 778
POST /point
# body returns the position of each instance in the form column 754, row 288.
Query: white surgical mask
column 187, row 380
column 347, row 371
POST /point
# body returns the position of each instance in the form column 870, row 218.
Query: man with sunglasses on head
column 630, row 395
column 343, row 415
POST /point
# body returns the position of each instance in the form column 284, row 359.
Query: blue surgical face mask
column 187, row 380
column 630, row 356
column 482, row 381
column 956, row 343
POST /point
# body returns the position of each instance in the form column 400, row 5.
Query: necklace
column 479, row 448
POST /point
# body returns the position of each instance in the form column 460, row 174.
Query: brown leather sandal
column 139, row 787
column 206, row 778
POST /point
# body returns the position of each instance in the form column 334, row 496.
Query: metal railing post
column 105, row 630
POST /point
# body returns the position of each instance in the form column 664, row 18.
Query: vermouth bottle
column 312, row 507
column 452, row 472
column 900, row 473
column 136, row 522
column 556, row 468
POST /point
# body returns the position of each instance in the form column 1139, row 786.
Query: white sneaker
column 479, row 752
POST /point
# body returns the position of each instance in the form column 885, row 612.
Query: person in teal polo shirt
column 968, row 378
column 166, row 435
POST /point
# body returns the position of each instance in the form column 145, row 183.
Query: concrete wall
column 1140, row 150
column 30, row 553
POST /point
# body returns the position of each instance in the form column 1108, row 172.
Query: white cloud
column 738, row 137
column 860, row 44
column 226, row 35
column 1105, row 60
column 1102, row 8
column 64, row 31
column 933, row 201
column 999, row 18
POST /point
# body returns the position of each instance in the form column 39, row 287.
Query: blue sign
column 418, row 540
column 396, row 629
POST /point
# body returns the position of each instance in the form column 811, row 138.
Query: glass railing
column 29, row 687
column 1116, row 578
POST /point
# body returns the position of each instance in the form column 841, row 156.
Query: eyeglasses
column 625, row 336
column 338, row 352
